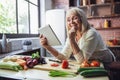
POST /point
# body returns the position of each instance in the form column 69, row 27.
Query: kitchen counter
column 35, row 74
column 43, row 73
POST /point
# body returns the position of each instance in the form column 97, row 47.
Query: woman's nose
column 71, row 21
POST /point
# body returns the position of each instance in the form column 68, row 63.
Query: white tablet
column 48, row 32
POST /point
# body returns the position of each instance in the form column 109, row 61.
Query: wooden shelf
column 103, row 4
column 95, row 5
column 96, row 10
column 108, row 16
column 110, row 28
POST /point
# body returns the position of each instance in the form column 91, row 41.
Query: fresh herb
column 35, row 55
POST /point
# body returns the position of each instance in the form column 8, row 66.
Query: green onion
column 59, row 73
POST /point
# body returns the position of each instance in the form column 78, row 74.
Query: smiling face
column 76, row 18
column 74, row 21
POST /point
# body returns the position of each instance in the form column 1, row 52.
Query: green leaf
column 36, row 55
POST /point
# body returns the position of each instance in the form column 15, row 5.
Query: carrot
column 22, row 63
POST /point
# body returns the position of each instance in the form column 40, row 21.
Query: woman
column 83, row 41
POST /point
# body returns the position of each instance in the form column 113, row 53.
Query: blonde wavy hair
column 81, row 14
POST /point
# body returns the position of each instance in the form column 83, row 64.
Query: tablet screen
column 48, row 32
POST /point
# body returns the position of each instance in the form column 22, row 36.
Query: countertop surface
column 34, row 74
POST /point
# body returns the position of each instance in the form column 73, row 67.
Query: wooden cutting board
column 73, row 66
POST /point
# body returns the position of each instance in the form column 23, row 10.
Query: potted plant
column 27, row 45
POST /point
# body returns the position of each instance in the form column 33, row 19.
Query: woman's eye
column 72, row 18
column 68, row 20
column 75, row 18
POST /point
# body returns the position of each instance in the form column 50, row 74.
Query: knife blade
column 53, row 60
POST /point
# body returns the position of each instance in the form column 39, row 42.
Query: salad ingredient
column 94, row 73
column 65, row 64
column 54, row 64
column 95, row 63
column 85, row 64
column 88, row 68
column 10, row 65
column 59, row 73
column 22, row 63
column 36, row 55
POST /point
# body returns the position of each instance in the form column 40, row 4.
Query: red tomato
column 65, row 64
column 54, row 64
column 85, row 64
column 95, row 64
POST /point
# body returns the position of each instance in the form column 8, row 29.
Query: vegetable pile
column 22, row 62
column 34, row 60
column 91, row 69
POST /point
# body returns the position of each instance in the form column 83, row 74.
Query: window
column 7, row 16
column 19, row 16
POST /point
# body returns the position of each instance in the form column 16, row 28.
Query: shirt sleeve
column 66, row 51
column 90, row 41
column 79, row 58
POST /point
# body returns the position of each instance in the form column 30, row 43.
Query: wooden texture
column 73, row 66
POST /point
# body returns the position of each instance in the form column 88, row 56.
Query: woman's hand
column 43, row 41
column 72, row 33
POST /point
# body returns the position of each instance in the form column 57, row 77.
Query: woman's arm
column 53, row 51
column 75, row 47
column 77, row 52
column 72, row 35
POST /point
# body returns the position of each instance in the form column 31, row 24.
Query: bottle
column 4, row 43
column 109, row 23
column 115, row 41
column 106, row 23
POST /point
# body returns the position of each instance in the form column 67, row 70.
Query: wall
column 61, row 4
column 45, row 5
column 107, row 34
